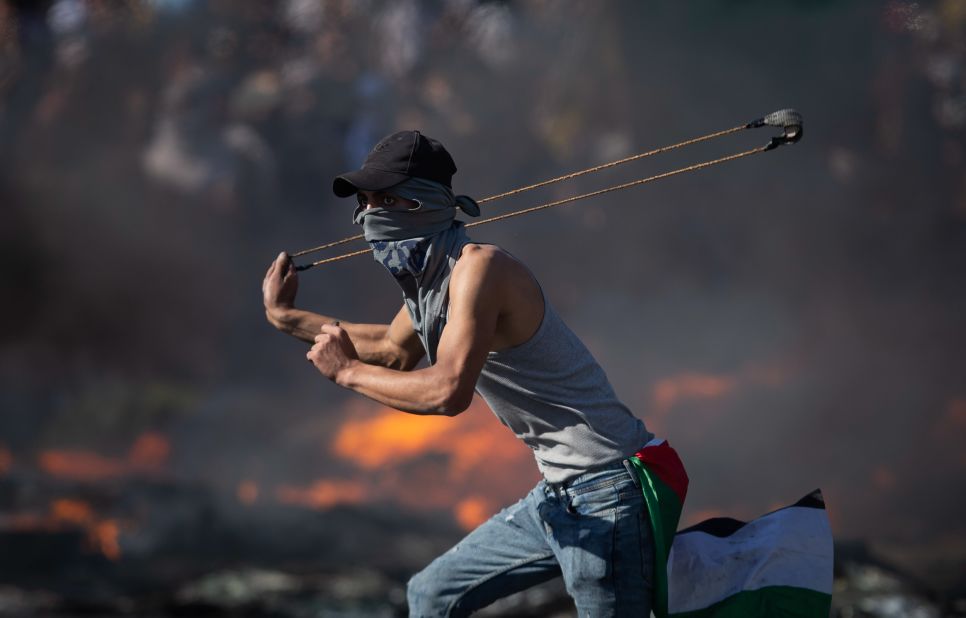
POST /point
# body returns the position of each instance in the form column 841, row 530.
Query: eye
column 388, row 200
column 363, row 201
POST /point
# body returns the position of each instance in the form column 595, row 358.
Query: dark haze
column 789, row 321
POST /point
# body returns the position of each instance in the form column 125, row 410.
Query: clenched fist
column 333, row 351
column 280, row 285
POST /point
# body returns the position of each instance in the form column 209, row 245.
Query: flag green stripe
column 770, row 602
column 664, row 508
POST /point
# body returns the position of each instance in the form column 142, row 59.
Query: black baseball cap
column 398, row 157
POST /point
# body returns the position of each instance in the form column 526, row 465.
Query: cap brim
column 366, row 179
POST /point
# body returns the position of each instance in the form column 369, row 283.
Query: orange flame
column 71, row 511
column 104, row 535
column 424, row 462
column 472, row 512
column 471, row 440
column 101, row 534
column 322, row 494
column 670, row 391
column 373, row 442
column 690, row 386
column 80, row 465
column 149, row 453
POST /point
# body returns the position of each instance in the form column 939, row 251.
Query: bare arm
column 476, row 293
column 391, row 345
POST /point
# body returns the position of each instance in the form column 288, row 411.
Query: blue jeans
column 595, row 531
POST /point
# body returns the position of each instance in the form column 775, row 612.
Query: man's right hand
column 280, row 286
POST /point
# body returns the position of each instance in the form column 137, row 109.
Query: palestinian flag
column 777, row 565
column 665, row 485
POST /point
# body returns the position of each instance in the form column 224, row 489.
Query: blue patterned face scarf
column 401, row 240
column 419, row 248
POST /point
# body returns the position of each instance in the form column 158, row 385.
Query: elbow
column 454, row 407
column 455, row 400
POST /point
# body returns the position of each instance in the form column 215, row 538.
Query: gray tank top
column 550, row 391
column 555, row 397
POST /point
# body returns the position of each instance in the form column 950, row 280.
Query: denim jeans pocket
column 588, row 559
column 596, row 502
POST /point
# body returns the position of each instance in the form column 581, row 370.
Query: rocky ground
column 172, row 550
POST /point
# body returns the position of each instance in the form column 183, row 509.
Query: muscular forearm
column 300, row 324
column 433, row 390
column 390, row 345
column 446, row 387
column 368, row 339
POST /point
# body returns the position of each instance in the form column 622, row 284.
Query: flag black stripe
column 726, row 526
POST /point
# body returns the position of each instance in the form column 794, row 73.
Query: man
column 484, row 323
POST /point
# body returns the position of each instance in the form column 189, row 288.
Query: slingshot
column 789, row 120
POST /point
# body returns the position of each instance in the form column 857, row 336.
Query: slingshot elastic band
column 789, row 120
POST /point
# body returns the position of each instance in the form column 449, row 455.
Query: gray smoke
column 788, row 321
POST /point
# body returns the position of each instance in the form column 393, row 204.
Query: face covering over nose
column 419, row 247
column 403, row 239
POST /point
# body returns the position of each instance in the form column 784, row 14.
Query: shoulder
column 474, row 253
column 489, row 269
column 486, row 263
column 488, row 277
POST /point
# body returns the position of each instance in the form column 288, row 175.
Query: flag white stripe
column 790, row 547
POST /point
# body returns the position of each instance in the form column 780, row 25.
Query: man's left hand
column 332, row 352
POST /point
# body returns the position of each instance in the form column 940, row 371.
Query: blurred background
column 788, row 321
